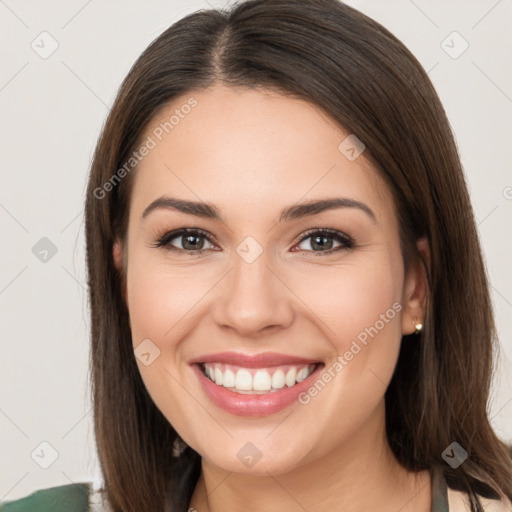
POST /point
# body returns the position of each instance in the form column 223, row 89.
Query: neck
column 360, row 474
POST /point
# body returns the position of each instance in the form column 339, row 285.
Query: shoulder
column 458, row 501
column 66, row 498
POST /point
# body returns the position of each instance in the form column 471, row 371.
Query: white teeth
column 290, row 377
column 261, row 381
column 243, row 380
column 301, row 374
column 218, row 376
column 228, row 380
column 278, row 380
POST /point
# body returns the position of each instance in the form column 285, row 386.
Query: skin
column 252, row 153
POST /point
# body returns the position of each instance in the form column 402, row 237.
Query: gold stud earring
column 417, row 325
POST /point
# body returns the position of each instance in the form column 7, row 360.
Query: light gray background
column 52, row 111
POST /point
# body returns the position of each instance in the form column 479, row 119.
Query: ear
column 119, row 263
column 416, row 289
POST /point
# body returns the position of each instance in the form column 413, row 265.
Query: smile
column 254, row 384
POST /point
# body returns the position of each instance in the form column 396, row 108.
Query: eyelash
column 345, row 241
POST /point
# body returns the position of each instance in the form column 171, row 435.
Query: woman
column 289, row 305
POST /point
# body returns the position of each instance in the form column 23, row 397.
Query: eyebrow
column 209, row 211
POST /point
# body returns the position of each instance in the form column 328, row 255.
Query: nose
column 252, row 300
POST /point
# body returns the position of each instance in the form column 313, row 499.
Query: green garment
column 63, row 498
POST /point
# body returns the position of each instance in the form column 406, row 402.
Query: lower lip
column 253, row 405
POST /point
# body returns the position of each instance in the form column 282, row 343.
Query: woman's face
column 245, row 169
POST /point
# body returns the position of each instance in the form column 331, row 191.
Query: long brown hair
column 327, row 53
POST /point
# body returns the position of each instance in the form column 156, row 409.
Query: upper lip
column 262, row 360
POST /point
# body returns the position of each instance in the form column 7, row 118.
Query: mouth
column 257, row 385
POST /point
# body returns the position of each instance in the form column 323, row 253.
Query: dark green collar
column 439, row 491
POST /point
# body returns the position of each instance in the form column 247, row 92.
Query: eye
column 197, row 241
column 324, row 241
column 187, row 240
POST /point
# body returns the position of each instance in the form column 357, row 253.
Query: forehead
column 253, row 148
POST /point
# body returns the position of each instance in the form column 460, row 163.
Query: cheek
column 159, row 299
column 164, row 306
column 360, row 308
column 352, row 297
